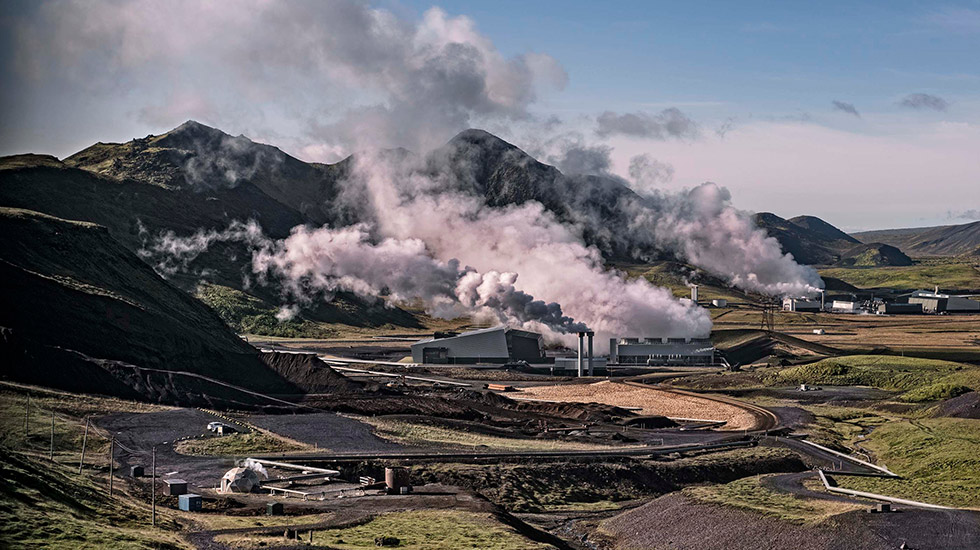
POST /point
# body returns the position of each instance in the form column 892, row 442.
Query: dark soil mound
column 307, row 372
column 964, row 406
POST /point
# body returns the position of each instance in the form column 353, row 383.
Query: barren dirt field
column 866, row 331
column 650, row 401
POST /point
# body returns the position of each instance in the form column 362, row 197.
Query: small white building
column 719, row 302
column 844, row 306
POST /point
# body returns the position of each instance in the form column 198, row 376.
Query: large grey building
column 936, row 302
column 490, row 345
column 661, row 351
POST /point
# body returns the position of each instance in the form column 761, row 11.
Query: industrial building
column 936, row 302
column 661, row 351
column 491, row 345
column 845, row 306
column 801, row 304
column 899, row 308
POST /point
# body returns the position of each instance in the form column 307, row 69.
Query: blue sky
column 753, row 84
column 755, row 57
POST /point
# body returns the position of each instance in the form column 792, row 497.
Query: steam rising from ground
column 314, row 264
column 408, row 202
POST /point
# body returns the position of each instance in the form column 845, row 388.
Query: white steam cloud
column 314, row 264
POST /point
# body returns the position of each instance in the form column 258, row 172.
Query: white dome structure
column 239, row 480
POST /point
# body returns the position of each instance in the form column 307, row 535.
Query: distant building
column 843, row 306
column 936, row 302
column 719, row 302
column 800, row 304
column 661, row 351
column 900, row 308
column 491, row 345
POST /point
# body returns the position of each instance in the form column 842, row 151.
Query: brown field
column 651, row 401
column 943, row 333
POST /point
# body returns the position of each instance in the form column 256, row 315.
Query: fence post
column 153, row 487
column 112, row 441
column 84, row 441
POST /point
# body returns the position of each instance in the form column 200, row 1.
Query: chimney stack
column 694, row 293
column 590, row 334
column 823, row 295
column 581, row 344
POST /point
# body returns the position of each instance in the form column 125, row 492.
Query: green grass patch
column 938, row 459
column 750, row 494
column 50, row 506
column 238, row 444
column 921, row 379
column 70, row 411
column 951, row 274
column 246, row 314
column 415, row 530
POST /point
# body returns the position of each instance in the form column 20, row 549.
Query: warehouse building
column 936, row 302
column 661, row 351
column 844, row 306
column 899, row 308
column 491, row 345
column 800, row 304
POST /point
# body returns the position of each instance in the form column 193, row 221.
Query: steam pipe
column 590, row 334
column 581, row 338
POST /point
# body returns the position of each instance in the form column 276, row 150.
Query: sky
column 866, row 114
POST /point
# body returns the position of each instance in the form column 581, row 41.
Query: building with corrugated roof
column 490, row 345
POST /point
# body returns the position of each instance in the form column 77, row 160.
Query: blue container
column 189, row 502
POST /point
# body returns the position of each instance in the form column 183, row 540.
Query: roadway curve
column 765, row 420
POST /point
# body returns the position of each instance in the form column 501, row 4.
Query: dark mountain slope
column 74, row 295
column 944, row 240
column 806, row 247
column 136, row 211
column 503, row 174
column 197, row 158
column 822, row 230
column 816, row 242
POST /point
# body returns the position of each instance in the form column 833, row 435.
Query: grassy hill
column 944, row 240
column 79, row 309
column 919, row 379
column 813, row 241
column 957, row 274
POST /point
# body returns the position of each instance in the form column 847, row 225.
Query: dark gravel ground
column 330, row 432
column 137, row 433
column 677, row 522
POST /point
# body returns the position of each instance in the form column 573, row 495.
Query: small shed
column 190, row 502
column 273, row 509
column 175, row 487
column 136, row 471
column 719, row 302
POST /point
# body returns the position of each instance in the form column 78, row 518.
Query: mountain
column 813, row 241
column 82, row 312
column 873, row 255
column 193, row 178
column 944, row 240
column 485, row 165
column 823, row 230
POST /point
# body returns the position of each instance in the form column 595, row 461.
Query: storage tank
column 397, row 479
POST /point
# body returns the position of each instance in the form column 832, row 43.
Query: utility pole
column 112, row 442
column 51, row 448
column 84, row 441
column 153, row 487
